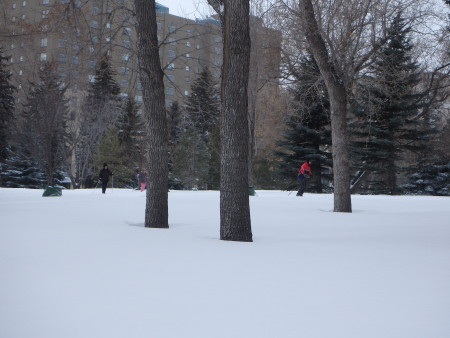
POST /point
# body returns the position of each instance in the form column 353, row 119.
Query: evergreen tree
column 190, row 157
column 7, row 104
column 308, row 134
column 46, row 112
column 113, row 152
column 202, row 104
column 175, row 130
column 389, row 116
column 101, row 109
column 131, row 130
column 202, row 107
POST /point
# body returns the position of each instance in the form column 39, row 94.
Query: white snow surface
column 84, row 266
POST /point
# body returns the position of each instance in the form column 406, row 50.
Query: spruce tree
column 46, row 111
column 7, row 104
column 308, row 134
column 175, row 130
column 190, row 158
column 101, row 109
column 202, row 107
column 389, row 121
column 131, row 128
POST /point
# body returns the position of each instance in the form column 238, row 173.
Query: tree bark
column 151, row 74
column 235, row 222
column 338, row 102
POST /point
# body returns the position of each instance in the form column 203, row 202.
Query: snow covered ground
column 84, row 266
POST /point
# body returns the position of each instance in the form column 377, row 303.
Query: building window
column 24, row 3
column 127, row 44
column 75, row 60
column 169, row 103
column 108, row 39
column 158, row 25
column 95, row 39
column 172, row 29
column 21, row 58
column 91, row 78
column 43, row 57
column 125, row 57
column 94, row 24
column 21, row 72
column 139, row 86
column 169, row 91
column 172, row 42
column 62, row 43
column 187, row 79
column 138, row 99
column 91, row 50
column 188, row 55
column 187, row 68
column 124, row 84
column 91, row 64
column 13, row 19
column 127, row 31
column 23, row 17
column 95, row 10
column 186, row 93
column 62, row 57
column 171, row 54
column 171, row 66
column 125, row 71
column 45, row 13
column 171, row 78
column 45, row 2
column 14, row 6
column 188, row 44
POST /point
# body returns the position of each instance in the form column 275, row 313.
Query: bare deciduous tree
column 235, row 222
column 151, row 74
column 338, row 102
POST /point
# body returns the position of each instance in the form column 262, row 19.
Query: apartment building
column 76, row 33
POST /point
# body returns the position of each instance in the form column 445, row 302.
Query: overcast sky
column 187, row 8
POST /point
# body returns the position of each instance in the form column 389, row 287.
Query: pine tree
column 190, row 158
column 45, row 122
column 202, row 104
column 308, row 134
column 131, row 128
column 175, row 130
column 202, row 107
column 101, row 109
column 113, row 152
column 389, row 116
column 7, row 104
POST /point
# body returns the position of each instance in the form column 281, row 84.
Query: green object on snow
column 52, row 191
column 251, row 191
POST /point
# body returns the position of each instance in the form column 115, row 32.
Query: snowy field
column 84, row 266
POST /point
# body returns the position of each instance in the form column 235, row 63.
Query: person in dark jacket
column 104, row 175
column 304, row 173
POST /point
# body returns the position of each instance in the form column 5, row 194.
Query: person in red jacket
column 304, row 173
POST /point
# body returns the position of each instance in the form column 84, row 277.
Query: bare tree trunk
column 151, row 74
column 338, row 102
column 235, row 222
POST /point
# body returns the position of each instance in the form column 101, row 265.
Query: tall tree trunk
column 151, row 74
column 338, row 102
column 235, row 222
